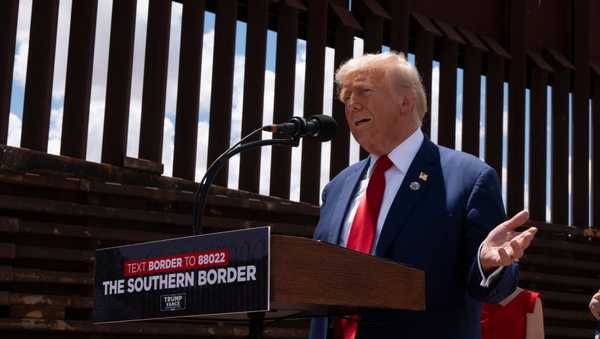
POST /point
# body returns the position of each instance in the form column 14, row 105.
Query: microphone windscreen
column 327, row 127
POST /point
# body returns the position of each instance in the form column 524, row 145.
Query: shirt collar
column 403, row 154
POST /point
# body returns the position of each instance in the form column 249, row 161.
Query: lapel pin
column 415, row 186
column 423, row 176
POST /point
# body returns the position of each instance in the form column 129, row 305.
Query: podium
column 247, row 275
column 309, row 275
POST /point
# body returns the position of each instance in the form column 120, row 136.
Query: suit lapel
column 343, row 201
column 414, row 187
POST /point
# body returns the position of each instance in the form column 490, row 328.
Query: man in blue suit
column 419, row 204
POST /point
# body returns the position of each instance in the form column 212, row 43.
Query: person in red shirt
column 518, row 316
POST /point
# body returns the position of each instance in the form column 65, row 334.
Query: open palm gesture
column 504, row 245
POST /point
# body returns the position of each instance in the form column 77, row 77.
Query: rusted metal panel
column 81, row 232
column 494, row 46
column 580, row 151
column 374, row 8
column 222, row 84
column 54, row 207
column 595, row 95
column 537, row 137
column 188, row 87
column 560, row 133
column 486, row 17
column 55, row 254
column 143, row 165
column 12, row 298
column 313, row 98
column 118, row 82
column 8, row 250
column 473, row 40
column 372, row 16
column 72, row 174
column 40, row 71
column 78, row 86
column 219, row 330
column 471, row 100
column 449, row 32
column 516, row 107
column 344, row 47
column 549, row 25
column 283, row 101
column 45, row 312
column 344, row 17
column 32, row 275
column 8, row 34
column 424, row 44
column 254, row 86
column 155, row 80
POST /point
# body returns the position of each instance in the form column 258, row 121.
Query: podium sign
column 211, row 274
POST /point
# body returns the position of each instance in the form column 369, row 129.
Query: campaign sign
column 211, row 274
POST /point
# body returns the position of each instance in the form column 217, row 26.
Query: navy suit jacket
column 438, row 229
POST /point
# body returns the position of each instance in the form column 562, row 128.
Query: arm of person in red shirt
column 535, row 322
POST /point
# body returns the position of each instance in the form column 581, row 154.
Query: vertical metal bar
column 8, row 35
column 399, row 29
column 494, row 101
column 188, row 89
column 516, row 106
column 580, row 183
column 471, row 100
column 424, row 45
column 424, row 63
column 373, row 34
column 340, row 146
column 537, row 144
column 78, row 85
column 118, row 82
column 560, row 134
column 155, row 80
column 373, row 42
column 283, row 101
column 222, row 84
column 313, row 97
column 447, row 93
column 40, row 70
column 254, row 86
column 596, row 147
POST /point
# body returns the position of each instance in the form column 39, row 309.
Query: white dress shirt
column 401, row 156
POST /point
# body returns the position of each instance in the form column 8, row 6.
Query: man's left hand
column 504, row 245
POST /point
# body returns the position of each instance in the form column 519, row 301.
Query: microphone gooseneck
column 289, row 133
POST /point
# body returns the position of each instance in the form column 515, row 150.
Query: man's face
column 376, row 115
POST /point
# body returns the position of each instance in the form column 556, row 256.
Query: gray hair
column 396, row 69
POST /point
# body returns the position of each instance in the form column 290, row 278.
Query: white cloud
column 62, row 47
column 169, row 146
column 14, row 132
column 99, row 73
column 56, row 118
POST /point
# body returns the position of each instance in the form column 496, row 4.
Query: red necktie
column 362, row 233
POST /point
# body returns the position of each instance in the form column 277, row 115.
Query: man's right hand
column 595, row 305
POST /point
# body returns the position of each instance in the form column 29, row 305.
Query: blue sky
column 99, row 89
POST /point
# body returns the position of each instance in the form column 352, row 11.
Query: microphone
column 318, row 126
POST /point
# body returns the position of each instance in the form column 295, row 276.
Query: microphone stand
column 199, row 201
column 256, row 318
